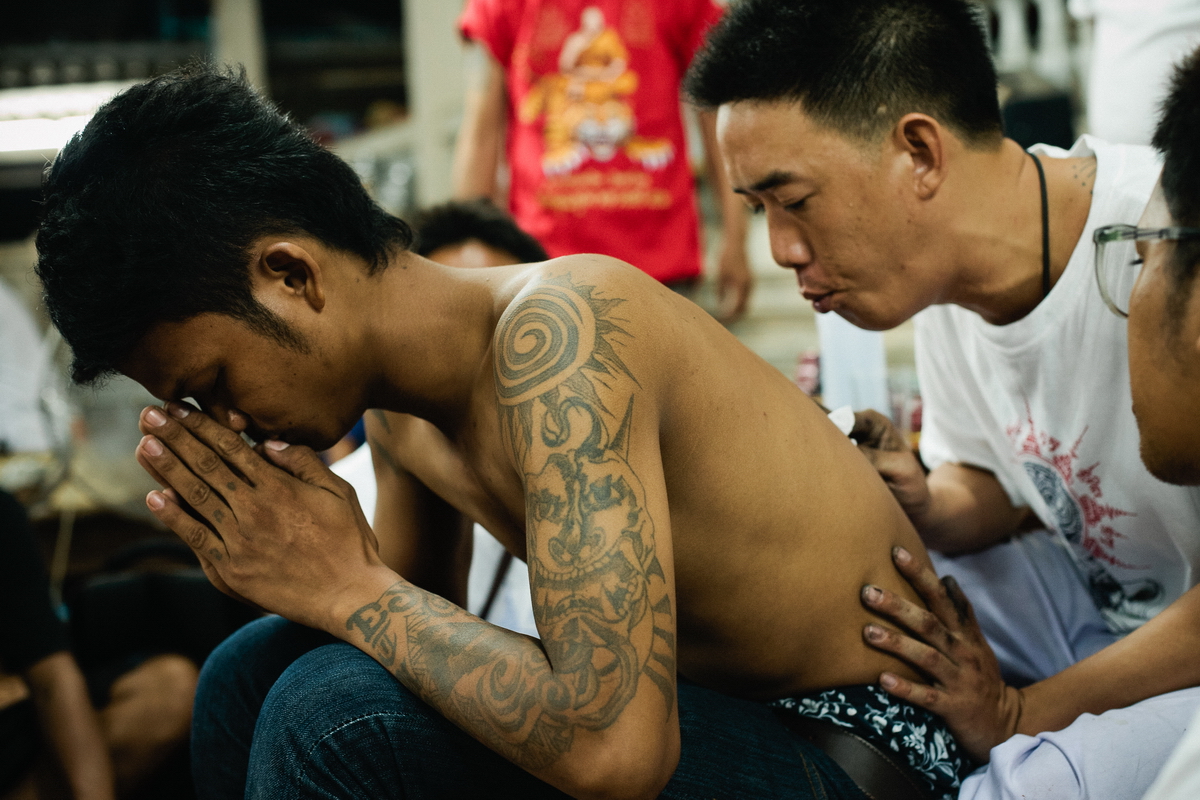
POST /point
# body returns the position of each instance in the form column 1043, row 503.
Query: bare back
column 775, row 520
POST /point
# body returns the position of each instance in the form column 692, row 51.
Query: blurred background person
column 1135, row 43
column 580, row 100
column 53, row 741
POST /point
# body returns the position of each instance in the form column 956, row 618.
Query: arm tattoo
column 381, row 417
column 381, row 451
column 599, row 591
column 1085, row 174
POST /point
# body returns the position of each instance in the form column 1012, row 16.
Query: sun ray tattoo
column 600, row 594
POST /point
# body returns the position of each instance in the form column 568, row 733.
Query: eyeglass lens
column 1119, row 266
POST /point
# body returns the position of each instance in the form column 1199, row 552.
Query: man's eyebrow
column 771, row 181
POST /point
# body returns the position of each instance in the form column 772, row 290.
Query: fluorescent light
column 18, row 135
column 36, row 121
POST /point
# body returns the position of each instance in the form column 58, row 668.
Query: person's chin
column 1181, row 469
column 868, row 318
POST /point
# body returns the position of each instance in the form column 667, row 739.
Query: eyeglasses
column 1118, row 262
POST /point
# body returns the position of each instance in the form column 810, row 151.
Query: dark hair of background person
column 459, row 221
column 149, row 213
column 1176, row 137
column 856, row 66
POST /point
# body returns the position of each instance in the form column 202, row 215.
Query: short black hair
column 150, row 211
column 856, row 66
column 459, row 221
column 1175, row 137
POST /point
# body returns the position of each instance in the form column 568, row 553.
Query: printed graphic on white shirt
column 1073, row 495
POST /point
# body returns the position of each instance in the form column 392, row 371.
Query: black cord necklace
column 1045, row 228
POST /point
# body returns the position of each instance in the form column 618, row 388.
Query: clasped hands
column 270, row 525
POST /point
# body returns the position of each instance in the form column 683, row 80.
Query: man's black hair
column 150, row 212
column 856, row 66
column 1176, row 136
column 459, row 221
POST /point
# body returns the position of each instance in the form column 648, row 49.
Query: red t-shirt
column 596, row 144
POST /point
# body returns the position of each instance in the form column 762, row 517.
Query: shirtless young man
column 607, row 431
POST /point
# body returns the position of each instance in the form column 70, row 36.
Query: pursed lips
column 821, row 300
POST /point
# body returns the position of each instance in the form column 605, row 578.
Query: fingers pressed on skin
column 925, row 658
column 918, row 693
column 928, row 585
column 866, row 430
column 192, row 433
column 876, row 431
column 199, row 494
column 916, row 619
column 962, row 605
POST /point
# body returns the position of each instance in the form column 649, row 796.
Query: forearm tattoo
column 599, row 592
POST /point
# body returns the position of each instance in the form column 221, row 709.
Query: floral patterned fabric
column 918, row 736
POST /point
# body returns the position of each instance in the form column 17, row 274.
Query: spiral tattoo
column 549, row 334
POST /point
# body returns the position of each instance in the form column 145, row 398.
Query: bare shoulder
column 595, row 289
column 571, row 337
column 609, row 275
column 577, row 312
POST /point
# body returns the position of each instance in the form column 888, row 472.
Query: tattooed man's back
column 644, row 448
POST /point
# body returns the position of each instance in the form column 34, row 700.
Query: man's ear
column 290, row 271
column 922, row 140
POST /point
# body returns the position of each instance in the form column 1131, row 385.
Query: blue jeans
column 283, row 711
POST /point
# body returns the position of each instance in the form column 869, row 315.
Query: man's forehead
column 171, row 353
column 158, row 374
column 767, row 144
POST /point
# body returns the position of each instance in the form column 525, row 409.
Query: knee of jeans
column 329, row 687
column 228, row 662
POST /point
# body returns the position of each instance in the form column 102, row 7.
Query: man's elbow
column 632, row 770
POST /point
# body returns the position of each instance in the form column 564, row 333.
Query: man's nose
column 788, row 247
column 231, row 418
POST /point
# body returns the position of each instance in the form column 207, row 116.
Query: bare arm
column 1158, row 657
column 71, row 726
column 956, row 508
column 477, row 153
column 969, row 510
column 421, row 536
column 734, row 278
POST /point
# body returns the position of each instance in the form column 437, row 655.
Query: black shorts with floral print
column 919, row 737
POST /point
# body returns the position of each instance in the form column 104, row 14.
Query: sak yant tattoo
column 599, row 592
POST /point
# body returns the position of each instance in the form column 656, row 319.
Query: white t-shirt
column 1044, row 404
column 24, row 373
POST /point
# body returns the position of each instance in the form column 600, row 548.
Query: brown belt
column 878, row 774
